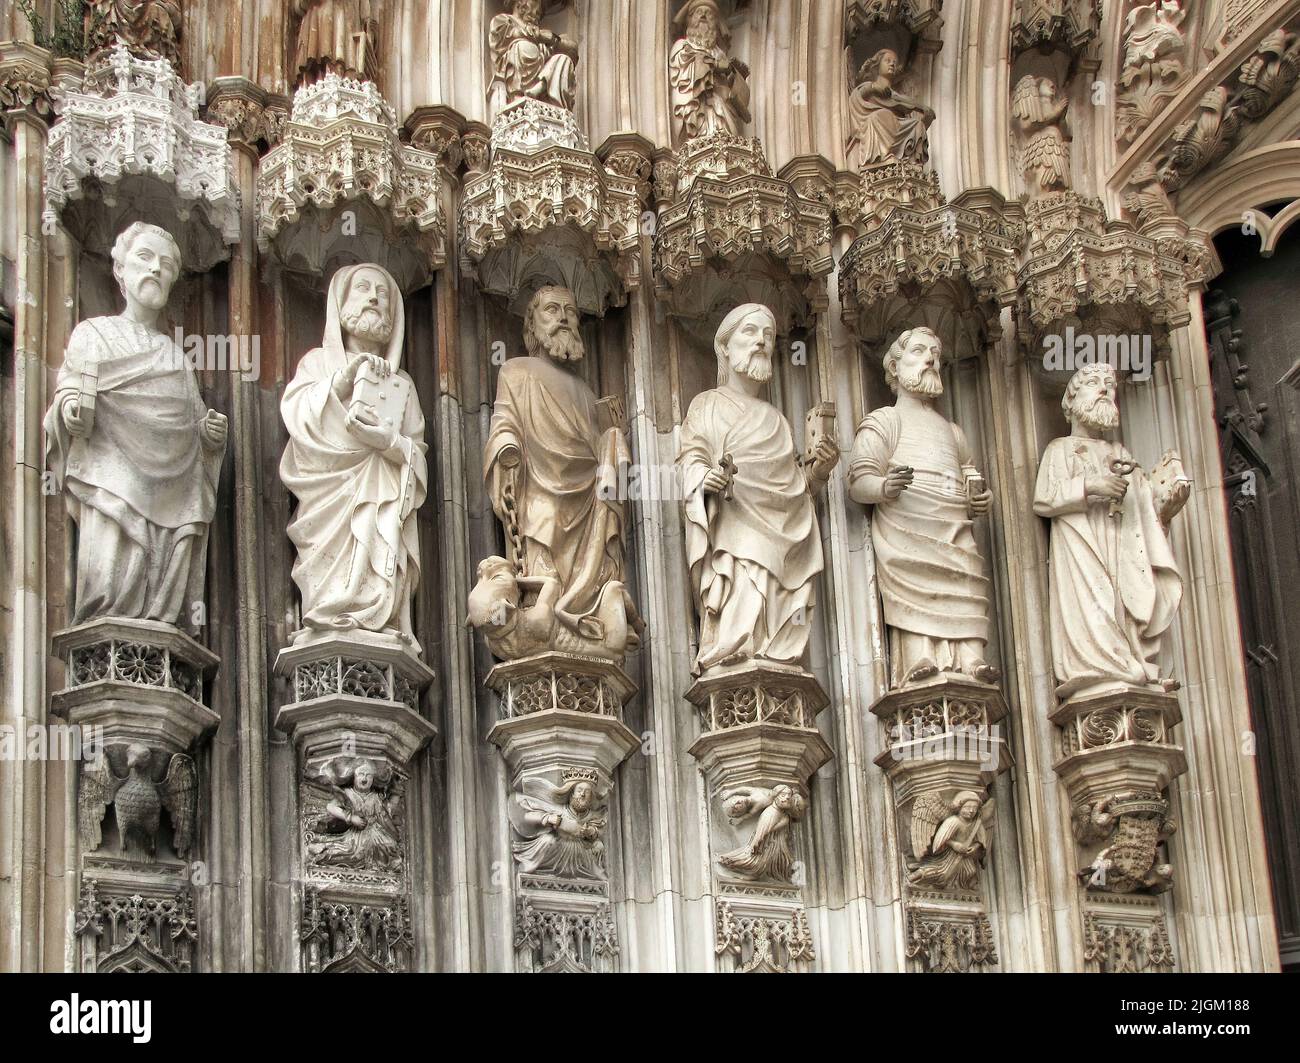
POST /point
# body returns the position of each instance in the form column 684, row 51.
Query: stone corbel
column 26, row 82
column 438, row 130
column 251, row 115
column 759, row 748
column 944, row 748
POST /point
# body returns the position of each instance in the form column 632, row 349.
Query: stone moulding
column 1078, row 259
column 560, row 681
column 541, row 180
column 341, row 146
column 729, row 208
column 135, row 118
column 912, row 240
column 139, row 680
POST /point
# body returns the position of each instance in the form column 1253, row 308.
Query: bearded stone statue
column 1114, row 584
column 710, row 89
column 915, row 467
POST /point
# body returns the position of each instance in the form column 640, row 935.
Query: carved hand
column 76, row 424
column 1109, row 486
column 362, row 423
column 897, row 480
column 714, row 481
column 981, row 503
column 826, row 455
column 213, row 429
column 1177, row 499
column 344, row 382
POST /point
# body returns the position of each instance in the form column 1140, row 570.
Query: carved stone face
column 1046, row 92
column 917, row 366
column 528, row 10
column 581, row 798
column 969, row 810
column 1094, row 402
column 702, row 28
column 148, row 271
column 750, row 346
column 888, row 63
column 366, row 312
column 552, row 324
column 364, row 777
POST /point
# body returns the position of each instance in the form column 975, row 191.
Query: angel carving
column 138, row 799
column 360, row 820
column 1045, row 143
column 768, row 854
column 949, row 839
column 886, row 124
column 557, row 829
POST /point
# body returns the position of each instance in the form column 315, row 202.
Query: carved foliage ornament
column 1154, row 49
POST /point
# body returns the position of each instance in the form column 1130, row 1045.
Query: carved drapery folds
column 336, row 37
column 150, row 28
column 340, row 150
column 132, row 131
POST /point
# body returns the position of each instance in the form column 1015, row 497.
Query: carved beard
column 757, row 365
column 367, row 323
column 563, row 346
column 1102, row 414
column 925, row 382
column 703, row 35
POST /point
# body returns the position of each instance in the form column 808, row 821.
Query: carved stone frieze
column 912, row 241
column 353, row 832
column 732, row 225
column 947, row 938
column 547, row 206
column 1126, row 936
column 762, row 938
column 1077, row 259
column 132, row 131
column 340, row 148
column 122, row 926
column 348, row 934
column 1064, row 25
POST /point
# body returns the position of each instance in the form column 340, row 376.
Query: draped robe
column 752, row 558
column 142, row 486
column 525, row 65
column 1114, row 585
column 703, row 102
column 355, row 530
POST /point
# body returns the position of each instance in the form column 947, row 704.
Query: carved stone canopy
column 909, row 26
column 1065, row 25
column 340, row 187
column 129, row 145
column 736, row 233
column 547, row 208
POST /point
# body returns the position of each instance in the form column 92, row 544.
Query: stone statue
column 710, row 89
column 752, row 542
column 886, row 124
column 138, row 800
column 1044, row 145
column 915, row 467
column 949, row 840
column 529, row 62
column 552, row 454
column 136, row 453
column 1114, row 585
column 360, row 822
column 557, row 829
column 150, row 27
column 768, row 854
column 337, row 37
column 356, row 463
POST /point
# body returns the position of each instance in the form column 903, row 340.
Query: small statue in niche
column 528, row 61
column 915, row 468
column 710, row 89
column 360, row 821
column 1113, row 582
column 949, row 839
column 337, row 37
column 768, row 854
column 557, row 829
column 886, row 124
column 138, row 800
column 752, row 542
column 1044, row 144
column 133, row 448
column 514, row 630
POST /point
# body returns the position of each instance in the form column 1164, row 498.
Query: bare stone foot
column 923, row 669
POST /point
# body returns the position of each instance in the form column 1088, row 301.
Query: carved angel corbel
column 1045, row 140
column 768, row 854
column 138, row 800
column 949, row 840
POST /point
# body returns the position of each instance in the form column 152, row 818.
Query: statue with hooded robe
column 356, row 464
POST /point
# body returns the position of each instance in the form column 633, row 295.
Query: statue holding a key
column 356, row 463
